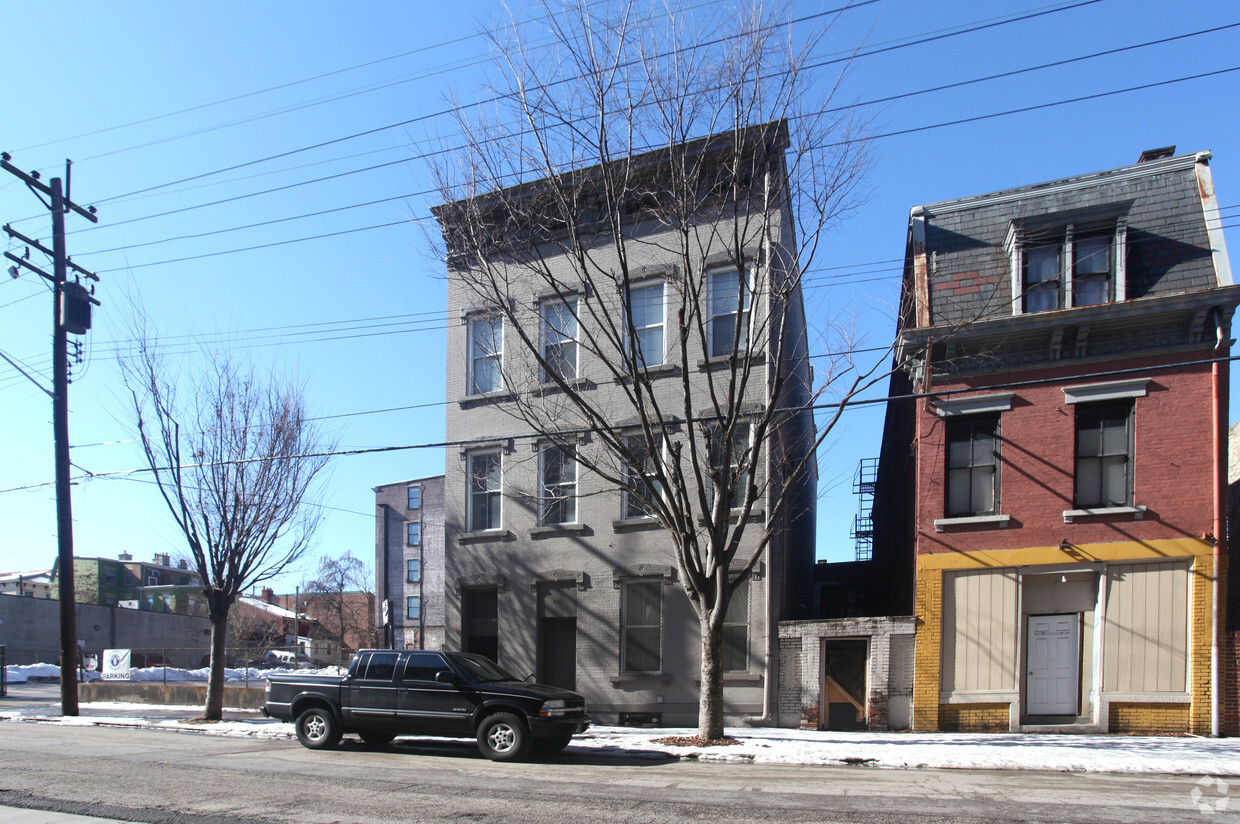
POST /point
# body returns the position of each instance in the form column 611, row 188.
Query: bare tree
column 251, row 631
column 692, row 137
column 340, row 597
column 235, row 460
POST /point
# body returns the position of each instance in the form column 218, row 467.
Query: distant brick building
column 1055, row 464
column 157, row 585
column 409, row 562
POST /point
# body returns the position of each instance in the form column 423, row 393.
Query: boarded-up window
column 979, row 630
column 1146, row 640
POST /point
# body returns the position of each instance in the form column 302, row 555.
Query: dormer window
column 1066, row 265
column 1091, row 271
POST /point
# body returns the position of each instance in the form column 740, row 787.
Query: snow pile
column 21, row 673
column 981, row 751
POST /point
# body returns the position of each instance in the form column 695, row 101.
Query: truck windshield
column 480, row 668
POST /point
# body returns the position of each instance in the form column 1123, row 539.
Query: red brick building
column 1054, row 461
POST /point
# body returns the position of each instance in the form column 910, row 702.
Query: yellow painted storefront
column 1186, row 710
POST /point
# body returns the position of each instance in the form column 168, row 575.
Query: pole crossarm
column 20, row 261
column 34, row 183
column 13, row 233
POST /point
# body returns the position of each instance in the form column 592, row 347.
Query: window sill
column 641, row 679
column 757, row 516
column 1137, row 512
column 739, row 679
column 662, row 370
column 484, row 536
column 634, row 524
column 574, row 385
column 1000, row 521
column 552, row 530
column 502, row 396
column 718, row 362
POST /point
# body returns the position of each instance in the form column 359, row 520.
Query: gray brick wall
column 890, row 669
column 596, row 549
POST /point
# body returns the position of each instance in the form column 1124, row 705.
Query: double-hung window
column 559, row 340
column 972, row 466
column 729, row 300
column 641, row 485
column 413, row 570
column 1042, row 276
column 413, row 607
column 413, row 533
column 415, row 498
column 486, row 354
column 730, row 463
column 641, row 625
column 736, row 630
column 557, row 486
column 1091, row 270
column 1104, row 454
column 647, row 309
column 485, row 490
column 1068, row 265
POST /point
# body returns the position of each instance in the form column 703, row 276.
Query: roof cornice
column 1227, row 296
column 1054, row 187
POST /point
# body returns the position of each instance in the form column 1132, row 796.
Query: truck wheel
column 552, row 746
column 317, row 729
column 375, row 738
column 502, row 737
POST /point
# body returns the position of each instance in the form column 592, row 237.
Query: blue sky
column 141, row 95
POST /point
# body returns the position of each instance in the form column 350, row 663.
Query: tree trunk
column 710, row 705
column 214, row 709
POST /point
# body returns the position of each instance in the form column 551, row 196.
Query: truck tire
column 376, row 738
column 317, row 729
column 551, row 746
column 502, row 737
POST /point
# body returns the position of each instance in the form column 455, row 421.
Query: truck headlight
column 553, row 709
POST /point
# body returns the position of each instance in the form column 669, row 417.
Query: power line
column 279, row 87
column 492, row 438
column 418, row 322
column 1018, row 17
column 427, row 155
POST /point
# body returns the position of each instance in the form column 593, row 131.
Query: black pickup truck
column 419, row 692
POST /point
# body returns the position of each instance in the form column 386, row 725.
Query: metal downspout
column 1220, row 526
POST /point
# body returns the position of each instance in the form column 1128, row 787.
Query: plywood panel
column 1146, row 629
column 980, row 626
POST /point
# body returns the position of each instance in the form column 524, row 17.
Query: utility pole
column 70, row 314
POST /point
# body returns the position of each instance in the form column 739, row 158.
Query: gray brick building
column 409, row 561
column 558, row 559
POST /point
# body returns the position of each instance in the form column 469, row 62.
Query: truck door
column 429, row 706
column 371, row 691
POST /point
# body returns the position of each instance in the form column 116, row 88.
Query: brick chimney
column 269, row 595
column 162, row 559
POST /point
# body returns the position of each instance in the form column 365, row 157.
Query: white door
column 1054, row 644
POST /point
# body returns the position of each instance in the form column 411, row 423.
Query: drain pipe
column 1220, row 507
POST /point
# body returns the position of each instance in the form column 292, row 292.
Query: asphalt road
column 156, row 776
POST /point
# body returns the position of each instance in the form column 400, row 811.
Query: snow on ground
column 20, row 674
column 1058, row 753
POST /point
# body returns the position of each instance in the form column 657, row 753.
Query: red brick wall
column 1172, row 472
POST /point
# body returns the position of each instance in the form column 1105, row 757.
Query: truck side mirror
column 445, row 677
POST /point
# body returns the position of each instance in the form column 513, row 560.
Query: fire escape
column 864, row 483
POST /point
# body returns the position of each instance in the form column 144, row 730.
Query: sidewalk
column 39, row 703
